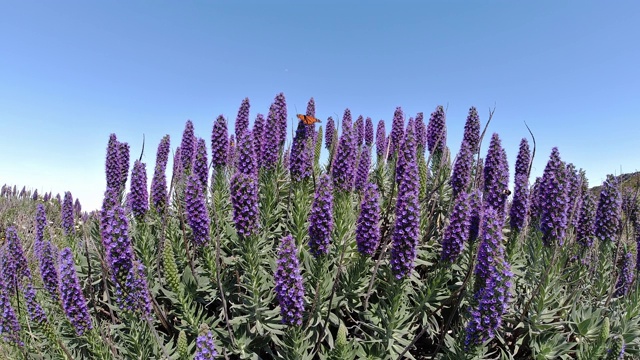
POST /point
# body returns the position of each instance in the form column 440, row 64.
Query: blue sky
column 72, row 72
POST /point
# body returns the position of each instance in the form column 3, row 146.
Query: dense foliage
column 268, row 251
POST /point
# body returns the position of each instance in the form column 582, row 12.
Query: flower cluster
column 472, row 130
column 244, row 198
column 139, row 195
column 279, row 107
column 197, row 213
column 329, row 134
column 242, row 120
column 187, row 147
column 231, row 151
column 368, row 228
column 15, row 266
column 625, row 275
column 457, row 232
column 200, row 163
column 608, row 212
column 421, row 132
column 321, row 218
column 36, row 314
column 553, row 200
column 368, row 132
column 358, row 127
column 258, row 134
column 381, row 139
column 159, row 196
column 437, row 131
column 288, row 282
column 123, row 160
column 41, row 222
column 205, row 346
column 246, row 161
column 364, row 163
column 73, row 301
column 219, row 143
column 300, row 164
column 586, row 228
column 343, row 167
column 461, row 175
column 397, row 131
column 47, row 259
column 68, row 223
column 9, row 325
column 271, row 141
column 496, row 176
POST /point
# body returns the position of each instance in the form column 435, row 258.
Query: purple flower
column 139, row 194
column 300, row 164
column 242, row 120
column 159, row 195
column 400, row 163
column 311, row 108
column 231, row 152
column 574, row 192
column 496, row 176
column 437, row 131
column 397, row 131
column 219, row 143
column 244, row 198
column 123, row 150
column 347, row 124
column 271, row 141
column 553, row 200
column 475, row 203
column 381, row 140
column 330, row 133
column 200, row 163
column 368, row 228
column 457, row 232
column 608, row 212
column 406, row 232
column 535, row 208
column 343, row 166
column 246, row 161
column 48, row 271
column 280, row 113
column 519, row 207
column 286, row 158
column 523, row 159
column 472, row 130
column 364, row 163
column 187, row 147
column 586, row 228
column 258, row 135
column 461, row 175
column 288, row 283
column 197, row 213
column 359, row 129
column 15, row 267
column 9, row 325
column 625, row 275
column 321, row 218
column 35, row 195
column 368, row 132
column 68, row 223
column 77, row 208
column 421, row 132
column 73, row 301
column 138, row 296
column 176, row 176
column 205, row 346
column 36, row 314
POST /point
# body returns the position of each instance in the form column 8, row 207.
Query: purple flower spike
column 328, row 136
column 9, row 325
column 246, row 161
column 347, row 124
column 197, row 213
column 381, row 140
column 368, row 228
column 231, row 152
column 626, row 273
column 496, row 176
column 608, row 212
column 288, row 283
column 553, row 200
column 364, row 163
column 242, row 120
column 421, row 132
column 14, row 265
column 187, row 147
column 461, row 175
column 321, row 218
column 73, row 301
column 219, row 143
column 244, row 198
column 343, row 166
column 472, row 130
column 138, row 297
column 205, row 346
column 159, row 196
column 280, row 113
column 359, row 129
column 258, row 135
column 437, row 131
column 368, row 132
column 139, row 195
column 475, row 203
column 300, row 164
column 68, row 223
column 41, row 222
column 397, row 131
column 124, row 163
column 406, row 232
column 48, row 270
column 519, row 207
column 201, row 164
column 457, row 232
column 311, row 108
column 271, row 141
column 400, row 164
column 586, row 229
column 36, row 314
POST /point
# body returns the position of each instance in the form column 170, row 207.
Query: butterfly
column 308, row 120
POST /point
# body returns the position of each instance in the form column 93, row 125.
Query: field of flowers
column 389, row 248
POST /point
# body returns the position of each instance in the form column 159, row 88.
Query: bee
column 506, row 192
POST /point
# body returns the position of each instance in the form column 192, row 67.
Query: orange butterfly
column 308, row 120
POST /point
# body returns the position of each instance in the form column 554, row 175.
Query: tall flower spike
column 246, row 161
column 328, row 136
column 368, row 132
column 553, row 200
column 258, row 135
column 139, row 194
column 242, row 120
column 496, row 176
column 41, row 222
column 300, row 164
column 321, row 218
column 201, row 163
column 311, row 108
column 400, row 163
column 381, row 139
column 271, row 141
column 187, row 147
column 461, row 175
column 368, row 225
column 159, row 194
column 219, row 143
column 359, row 129
column 36, row 314
column 421, row 132
column 68, row 223
column 205, row 346
column 437, row 131
column 48, row 258
column 472, row 130
column 520, row 205
column 457, row 232
column 406, row 232
column 475, row 203
column 397, row 131
column 608, row 212
column 574, row 189
column 586, row 229
column 364, row 164
column 123, row 150
column 244, row 198
column 73, row 301
column 625, row 276
column 288, row 282
column 197, row 213
column 347, row 124
column 77, row 208
column 9, row 325
column 280, row 113
column 343, row 166
column 15, row 266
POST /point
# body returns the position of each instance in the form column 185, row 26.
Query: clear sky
column 72, row 72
